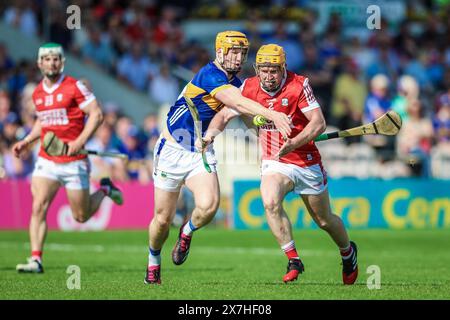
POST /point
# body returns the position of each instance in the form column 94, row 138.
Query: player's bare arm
column 35, row 133
column 95, row 119
column 232, row 97
column 313, row 129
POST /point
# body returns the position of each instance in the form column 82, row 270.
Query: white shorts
column 72, row 175
column 173, row 164
column 307, row 180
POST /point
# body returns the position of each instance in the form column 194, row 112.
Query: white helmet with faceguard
column 52, row 48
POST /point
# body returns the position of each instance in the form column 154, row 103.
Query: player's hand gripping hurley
column 198, row 129
column 53, row 146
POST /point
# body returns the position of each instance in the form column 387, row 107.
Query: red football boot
column 153, row 275
column 350, row 266
column 294, row 268
column 181, row 250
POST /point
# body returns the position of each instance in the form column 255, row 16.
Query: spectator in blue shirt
column 98, row 50
column 377, row 102
column 134, row 147
column 136, row 68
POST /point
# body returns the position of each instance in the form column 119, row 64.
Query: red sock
column 290, row 250
column 292, row 254
column 346, row 251
column 36, row 255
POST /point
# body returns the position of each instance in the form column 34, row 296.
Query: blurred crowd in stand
column 139, row 43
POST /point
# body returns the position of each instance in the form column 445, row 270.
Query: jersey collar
column 53, row 87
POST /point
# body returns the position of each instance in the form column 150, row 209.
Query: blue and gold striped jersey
column 202, row 89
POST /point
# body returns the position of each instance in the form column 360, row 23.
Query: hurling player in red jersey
column 293, row 164
column 62, row 103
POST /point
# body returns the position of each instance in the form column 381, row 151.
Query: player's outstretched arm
column 95, row 119
column 233, row 98
column 313, row 129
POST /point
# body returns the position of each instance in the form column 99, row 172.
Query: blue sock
column 189, row 228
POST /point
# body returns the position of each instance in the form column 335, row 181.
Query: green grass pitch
column 225, row 264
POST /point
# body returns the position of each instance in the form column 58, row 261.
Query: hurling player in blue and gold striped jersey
column 177, row 161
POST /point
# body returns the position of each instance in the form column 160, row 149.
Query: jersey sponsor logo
column 59, row 97
column 268, row 127
column 54, row 117
column 48, row 100
column 284, row 102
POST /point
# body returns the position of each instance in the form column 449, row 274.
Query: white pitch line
column 143, row 249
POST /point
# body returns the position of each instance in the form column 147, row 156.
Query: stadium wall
column 362, row 204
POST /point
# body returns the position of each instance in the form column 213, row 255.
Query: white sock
column 189, row 228
column 154, row 257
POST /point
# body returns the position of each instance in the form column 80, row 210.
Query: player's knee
column 208, row 207
column 162, row 219
column 272, row 207
column 39, row 208
column 326, row 222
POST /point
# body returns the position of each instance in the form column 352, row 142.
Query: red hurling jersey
column 294, row 97
column 59, row 109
